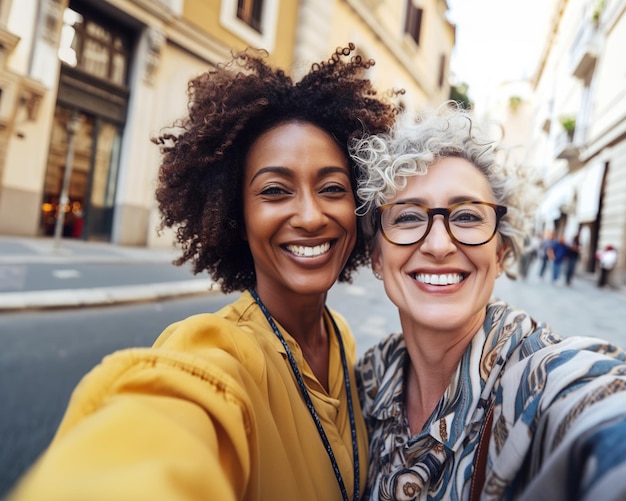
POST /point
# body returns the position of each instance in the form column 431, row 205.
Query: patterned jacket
column 559, row 427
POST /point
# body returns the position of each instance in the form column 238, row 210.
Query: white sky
column 497, row 41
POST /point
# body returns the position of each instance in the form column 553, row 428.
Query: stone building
column 84, row 84
column 579, row 130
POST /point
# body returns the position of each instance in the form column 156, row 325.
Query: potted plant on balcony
column 597, row 11
column 515, row 102
column 568, row 122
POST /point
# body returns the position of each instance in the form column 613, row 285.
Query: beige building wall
column 212, row 19
column 177, row 40
column 177, row 68
column 377, row 28
column 583, row 74
column 28, row 79
column 608, row 116
column 607, row 131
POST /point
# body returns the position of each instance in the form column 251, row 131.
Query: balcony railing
column 565, row 147
column 585, row 50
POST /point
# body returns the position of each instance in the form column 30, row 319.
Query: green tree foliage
column 458, row 93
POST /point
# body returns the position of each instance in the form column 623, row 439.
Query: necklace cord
column 309, row 402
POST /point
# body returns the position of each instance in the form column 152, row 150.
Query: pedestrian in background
column 607, row 259
column 557, row 253
column 571, row 259
column 257, row 401
column 528, row 255
column 474, row 390
column 546, row 243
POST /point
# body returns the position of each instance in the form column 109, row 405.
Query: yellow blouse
column 210, row 412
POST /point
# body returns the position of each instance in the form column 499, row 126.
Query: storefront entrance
column 90, row 114
column 93, row 176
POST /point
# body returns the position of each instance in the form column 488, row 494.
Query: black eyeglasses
column 467, row 223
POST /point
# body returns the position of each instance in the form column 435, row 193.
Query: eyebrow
column 286, row 172
column 452, row 201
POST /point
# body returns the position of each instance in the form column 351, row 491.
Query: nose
column 438, row 242
column 309, row 213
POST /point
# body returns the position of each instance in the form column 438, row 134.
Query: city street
column 46, row 352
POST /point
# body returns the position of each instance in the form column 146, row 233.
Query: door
column 93, row 176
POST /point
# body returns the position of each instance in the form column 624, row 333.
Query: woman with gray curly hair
column 474, row 399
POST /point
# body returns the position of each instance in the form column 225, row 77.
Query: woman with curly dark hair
column 258, row 400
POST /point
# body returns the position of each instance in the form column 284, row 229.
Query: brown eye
column 273, row 190
column 335, row 188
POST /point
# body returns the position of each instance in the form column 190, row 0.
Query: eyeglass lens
column 469, row 223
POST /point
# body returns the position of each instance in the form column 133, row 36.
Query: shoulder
column 157, row 373
column 383, row 361
column 384, row 353
column 235, row 340
column 234, row 329
column 555, row 370
column 565, row 405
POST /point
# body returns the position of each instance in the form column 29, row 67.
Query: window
column 94, row 47
column 442, row 70
column 253, row 21
column 413, row 24
column 250, row 12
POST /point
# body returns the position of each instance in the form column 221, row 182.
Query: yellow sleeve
column 148, row 424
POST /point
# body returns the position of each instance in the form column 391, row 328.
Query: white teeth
column 302, row 251
column 447, row 279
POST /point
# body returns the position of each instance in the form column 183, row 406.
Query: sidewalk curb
column 100, row 296
column 51, row 259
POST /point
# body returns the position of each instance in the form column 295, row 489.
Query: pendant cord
column 309, row 402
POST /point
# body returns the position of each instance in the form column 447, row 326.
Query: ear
column 377, row 266
column 501, row 256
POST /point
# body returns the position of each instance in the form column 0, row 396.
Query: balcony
column 565, row 147
column 585, row 51
column 544, row 116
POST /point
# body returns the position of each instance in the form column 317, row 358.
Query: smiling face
column 437, row 284
column 298, row 210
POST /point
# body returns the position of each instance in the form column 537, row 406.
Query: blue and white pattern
column 559, row 428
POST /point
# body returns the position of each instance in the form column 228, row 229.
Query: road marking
column 65, row 274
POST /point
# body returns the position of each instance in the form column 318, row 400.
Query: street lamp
column 72, row 127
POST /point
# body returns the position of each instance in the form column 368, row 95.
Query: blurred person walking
column 572, row 255
column 607, row 259
column 557, row 253
column 528, row 255
column 546, row 243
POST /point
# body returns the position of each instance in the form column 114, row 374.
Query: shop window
column 90, row 43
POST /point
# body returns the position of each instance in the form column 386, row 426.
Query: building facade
column 84, row 84
column 578, row 139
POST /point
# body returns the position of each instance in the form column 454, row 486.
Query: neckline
column 309, row 403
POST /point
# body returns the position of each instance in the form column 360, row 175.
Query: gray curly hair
column 386, row 161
